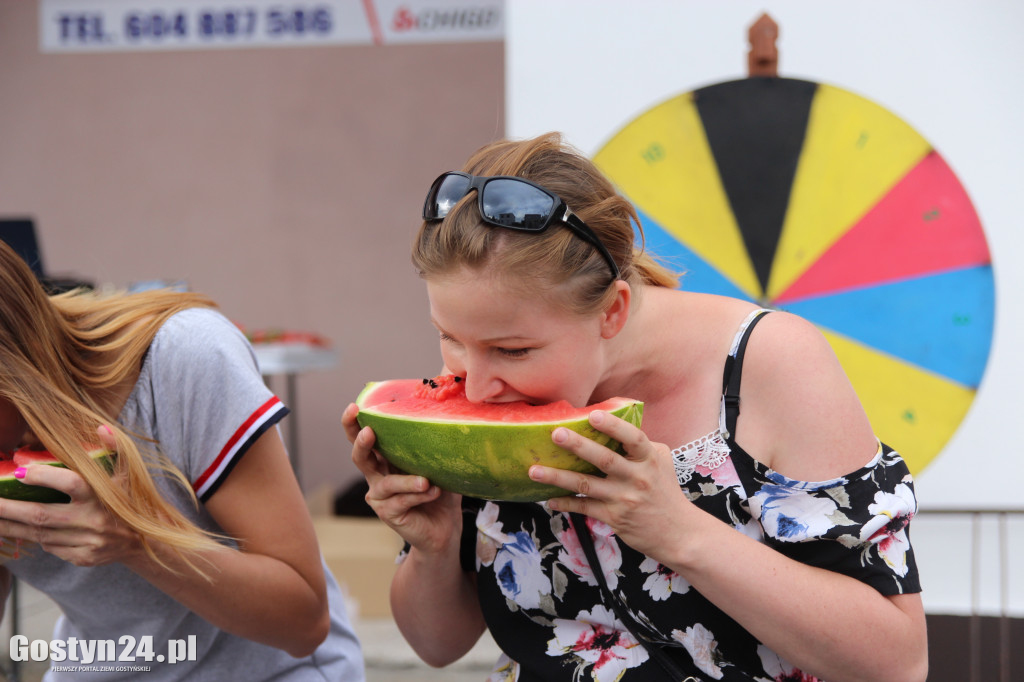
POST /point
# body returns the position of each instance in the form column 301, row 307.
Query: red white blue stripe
column 268, row 414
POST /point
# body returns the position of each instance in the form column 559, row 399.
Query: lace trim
column 709, row 452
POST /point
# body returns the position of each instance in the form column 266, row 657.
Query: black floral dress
column 543, row 607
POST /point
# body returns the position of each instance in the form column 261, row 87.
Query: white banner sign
column 124, row 25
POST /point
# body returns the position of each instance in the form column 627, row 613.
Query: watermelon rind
column 12, row 488
column 484, row 459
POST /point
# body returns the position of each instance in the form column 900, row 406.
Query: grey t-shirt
column 201, row 397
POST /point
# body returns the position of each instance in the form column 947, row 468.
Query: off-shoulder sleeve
column 858, row 525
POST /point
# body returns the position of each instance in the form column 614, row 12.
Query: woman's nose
column 481, row 385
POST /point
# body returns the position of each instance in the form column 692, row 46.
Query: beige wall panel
column 286, row 183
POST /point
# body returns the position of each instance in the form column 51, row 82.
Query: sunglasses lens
column 516, row 204
column 446, row 192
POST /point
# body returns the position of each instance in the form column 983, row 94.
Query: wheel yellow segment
column 913, row 410
column 853, row 154
column 662, row 162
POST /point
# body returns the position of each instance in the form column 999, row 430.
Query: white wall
column 951, row 69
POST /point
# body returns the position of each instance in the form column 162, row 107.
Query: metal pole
column 293, row 426
column 974, row 638
column 1004, row 599
column 975, row 626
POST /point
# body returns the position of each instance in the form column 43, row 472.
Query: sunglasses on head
column 512, row 202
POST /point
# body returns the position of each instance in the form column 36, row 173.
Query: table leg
column 293, row 426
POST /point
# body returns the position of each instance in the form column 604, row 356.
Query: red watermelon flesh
column 13, row 488
column 444, row 398
column 26, row 457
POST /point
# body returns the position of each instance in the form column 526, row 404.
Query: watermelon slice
column 13, row 489
column 427, row 427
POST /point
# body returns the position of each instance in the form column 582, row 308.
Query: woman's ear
column 614, row 317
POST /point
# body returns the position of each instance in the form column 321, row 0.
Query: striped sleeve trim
column 268, row 414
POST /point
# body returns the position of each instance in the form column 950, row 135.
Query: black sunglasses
column 512, row 202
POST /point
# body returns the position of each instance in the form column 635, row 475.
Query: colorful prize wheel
column 807, row 198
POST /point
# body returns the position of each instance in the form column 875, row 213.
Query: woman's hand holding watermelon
column 82, row 532
column 429, row 587
column 421, row 513
column 638, row 496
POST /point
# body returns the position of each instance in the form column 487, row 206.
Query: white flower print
column 779, row 668
column 596, row 639
column 703, row 649
column 542, row 593
column 571, row 555
column 662, row 581
column 490, row 534
column 521, row 578
column 505, row 670
column 751, row 528
column 790, row 512
column 887, row 529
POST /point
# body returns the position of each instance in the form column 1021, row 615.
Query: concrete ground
column 388, row 657
column 360, row 552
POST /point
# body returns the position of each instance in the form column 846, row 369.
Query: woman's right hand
column 428, row 586
column 425, row 516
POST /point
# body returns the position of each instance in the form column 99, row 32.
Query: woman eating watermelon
column 767, row 544
column 195, row 558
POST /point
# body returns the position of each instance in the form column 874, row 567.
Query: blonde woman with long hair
column 201, row 534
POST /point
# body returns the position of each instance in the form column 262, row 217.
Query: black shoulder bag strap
column 579, row 523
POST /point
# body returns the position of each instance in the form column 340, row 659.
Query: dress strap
column 732, row 376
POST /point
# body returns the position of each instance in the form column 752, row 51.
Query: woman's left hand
column 82, row 532
column 639, row 496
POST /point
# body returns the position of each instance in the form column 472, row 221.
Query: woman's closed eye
column 514, row 352
column 507, row 352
